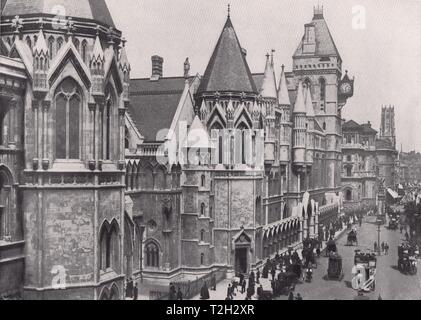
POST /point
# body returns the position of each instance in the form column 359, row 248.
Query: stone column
column 92, row 117
column 122, row 133
column 45, row 157
column 35, row 105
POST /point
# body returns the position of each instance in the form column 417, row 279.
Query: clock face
column 346, row 88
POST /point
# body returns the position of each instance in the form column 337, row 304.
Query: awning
column 394, row 194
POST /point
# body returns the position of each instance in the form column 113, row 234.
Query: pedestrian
column 299, row 297
column 243, row 286
column 386, row 248
column 375, row 246
column 229, row 291
column 273, row 272
column 291, row 296
column 383, row 250
column 258, row 276
column 213, row 282
column 260, row 292
column 401, row 228
column 172, row 296
column 204, row 292
column 135, row 292
column 179, row 294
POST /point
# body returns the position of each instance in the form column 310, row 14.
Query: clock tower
column 318, row 64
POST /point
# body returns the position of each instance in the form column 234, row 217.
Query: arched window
column 349, row 172
column 349, row 195
column 2, row 126
column 107, row 123
column 202, row 181
column 221, row 150
column 202, row 259
column 322, row 83
column 202, row 235
column 160, row 179
column 84, row 51
column 68, row 104
column 51, row 46
column 126, row 138
column 210, row 212
column 324, row 125
column 109, row 247
column 307, row 83
column 76, row 43
column 202, row 209
column 148, row 181
column 59, row 43
column 29, row 42
column 152, row 255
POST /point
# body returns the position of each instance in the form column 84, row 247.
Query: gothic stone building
column 226, row 169
column 178, row 177
column 64, row 91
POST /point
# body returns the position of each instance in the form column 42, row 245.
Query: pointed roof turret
column 98, row 52
column 124, row 60
column 309, row 104
column 96, row 10
column 299, row 106
column 283, row 96
column 40, row 47
column 269, row 83
column 228, row 69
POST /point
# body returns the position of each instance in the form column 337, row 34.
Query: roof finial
column 229, row 10
column 272, row 52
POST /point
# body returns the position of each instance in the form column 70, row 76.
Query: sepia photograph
column 226, row 150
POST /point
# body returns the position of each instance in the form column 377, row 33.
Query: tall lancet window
column 68, row 103
column 107, row 124
column 322, row 83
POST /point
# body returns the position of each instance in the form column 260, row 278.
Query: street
column 390, row 283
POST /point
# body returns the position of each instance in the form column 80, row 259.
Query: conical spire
column 269, row 83
column 97, row 53
column 283, row 96
column 299, row 106
column 124, row 60
column 40, row 47
column 309, row 104
column 228, row 69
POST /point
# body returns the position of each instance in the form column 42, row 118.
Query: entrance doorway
column 241, row 261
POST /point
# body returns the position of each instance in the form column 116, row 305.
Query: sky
column 383, row 53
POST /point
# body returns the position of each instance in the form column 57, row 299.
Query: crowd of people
column 131, row 289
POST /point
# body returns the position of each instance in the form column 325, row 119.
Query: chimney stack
column 157, row 67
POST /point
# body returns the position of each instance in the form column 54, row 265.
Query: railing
column 358, row 146
column 151, row 150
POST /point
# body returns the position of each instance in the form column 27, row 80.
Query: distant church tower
column 387, row 127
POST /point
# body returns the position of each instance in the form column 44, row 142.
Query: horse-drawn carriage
column 335, row 270
column 352, row 238
column 393, row 224
column 407, row 262
column 364, row 271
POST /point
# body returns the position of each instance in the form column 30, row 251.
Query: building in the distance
column 370, row 164
column 410, row 167
column 359, row 174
